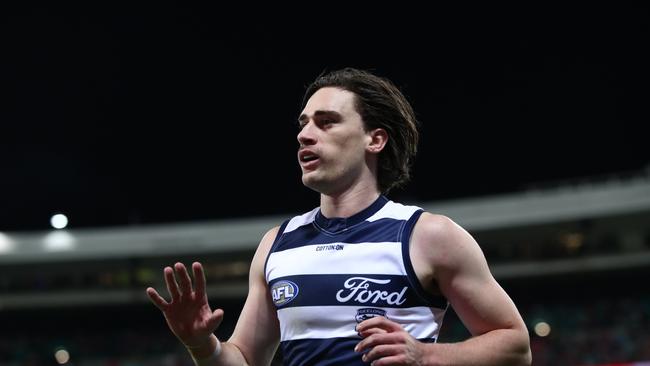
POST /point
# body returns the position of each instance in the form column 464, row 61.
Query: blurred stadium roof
column 152, row 114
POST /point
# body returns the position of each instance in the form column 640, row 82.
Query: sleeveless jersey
column 327, row 275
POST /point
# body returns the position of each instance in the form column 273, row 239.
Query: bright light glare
column 6, row 244
column 59, row 240
column 62, row 356
column 59, row 221
column 542, row 329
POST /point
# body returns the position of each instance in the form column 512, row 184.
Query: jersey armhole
column 275, row 244
column 431, row 300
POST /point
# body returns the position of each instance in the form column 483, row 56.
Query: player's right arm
column 256, row 335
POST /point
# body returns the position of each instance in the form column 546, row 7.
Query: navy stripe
column 439, row 302
column 427, row 340
column 325, row 352
column 321, row 352
column 382, row 230
column 351, row 289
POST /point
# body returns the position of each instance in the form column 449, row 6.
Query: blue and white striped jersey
column 326, row 275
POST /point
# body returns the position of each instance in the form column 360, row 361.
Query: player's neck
column 349, row 202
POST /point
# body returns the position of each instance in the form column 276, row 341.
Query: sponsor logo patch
column 329, row 247
column 364, row 290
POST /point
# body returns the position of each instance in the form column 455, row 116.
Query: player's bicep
column 465, row 279
column 257, row 332
column 481, row 303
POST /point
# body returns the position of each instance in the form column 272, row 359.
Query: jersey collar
column 338, row 224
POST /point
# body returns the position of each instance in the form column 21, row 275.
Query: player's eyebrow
column 303, row 117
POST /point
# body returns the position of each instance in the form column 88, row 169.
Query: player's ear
column 377, row 141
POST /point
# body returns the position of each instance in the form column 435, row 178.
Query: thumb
column 215, row 319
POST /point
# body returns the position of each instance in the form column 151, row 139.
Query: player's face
column 332, row 141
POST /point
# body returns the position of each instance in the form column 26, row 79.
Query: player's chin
column 312, row 181
column 308, row 179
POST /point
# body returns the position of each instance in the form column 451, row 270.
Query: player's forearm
column 215, row 353
column 502, row 347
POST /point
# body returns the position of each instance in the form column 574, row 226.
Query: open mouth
column 307, row 158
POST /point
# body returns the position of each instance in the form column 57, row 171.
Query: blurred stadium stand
column 574, row 256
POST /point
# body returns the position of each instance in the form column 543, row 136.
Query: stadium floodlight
column 59, row 221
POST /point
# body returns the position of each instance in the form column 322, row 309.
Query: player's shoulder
column 436, row 224
column 271, row 233
column 438, row 229
column 268, row 238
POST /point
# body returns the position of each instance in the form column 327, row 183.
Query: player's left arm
column 445, row 254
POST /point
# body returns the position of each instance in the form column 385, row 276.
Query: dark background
column 153, row 113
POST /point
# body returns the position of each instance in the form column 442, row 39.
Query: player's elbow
column 523, row 354
column 517, row 347
column 526, row 358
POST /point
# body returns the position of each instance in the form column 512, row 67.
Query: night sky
column 139, row 114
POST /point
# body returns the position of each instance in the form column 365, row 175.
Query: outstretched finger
column 172, row 286
column 199, row 278
column 157, row 299
column 184, row 279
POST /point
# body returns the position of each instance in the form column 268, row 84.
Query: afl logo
column 283, row 292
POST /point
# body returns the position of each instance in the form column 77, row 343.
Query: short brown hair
column 381, row 105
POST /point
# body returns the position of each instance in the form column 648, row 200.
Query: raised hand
column 188, row 314
column 387, row 343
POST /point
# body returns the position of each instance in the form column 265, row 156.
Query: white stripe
column 320, row 322
column 301, row 220
column 382, row 257
column 392, row 210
